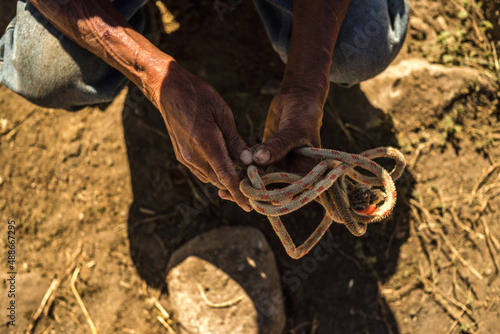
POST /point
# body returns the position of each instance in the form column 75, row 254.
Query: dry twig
column 489, row 243
column 459, row 257
column 34, row 319
column 442, row 300
column 80, row 301
column 51, row 293
column 418, row 151
column 454, row 324
column 154, row 302
column 424, row 241
column 464, row 227
column 218, row 305
column 482, row 181
column 166, row 325
column 48, row 329
column 393, row 295
column 448, row 243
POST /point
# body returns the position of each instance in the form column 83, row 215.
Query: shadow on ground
column 334, row 289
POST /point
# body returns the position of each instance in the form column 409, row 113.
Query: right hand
column 202, row 130
column 198, row 120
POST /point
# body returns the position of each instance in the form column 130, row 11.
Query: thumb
column 277, row 146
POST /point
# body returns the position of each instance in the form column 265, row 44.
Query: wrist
column 307, row 78
column 157, row 69
column 314, row 92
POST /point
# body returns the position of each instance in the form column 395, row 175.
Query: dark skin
column 199, row 122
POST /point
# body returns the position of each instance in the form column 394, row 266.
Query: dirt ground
column 101, row 191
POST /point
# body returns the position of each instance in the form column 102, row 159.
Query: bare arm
column 98, row 27
column 315, row 31
column 199, row 122
column 295, row 115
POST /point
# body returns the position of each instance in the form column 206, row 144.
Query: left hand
column 295, row 115
column 294, row 120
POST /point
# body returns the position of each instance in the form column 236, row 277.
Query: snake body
column 326, row 184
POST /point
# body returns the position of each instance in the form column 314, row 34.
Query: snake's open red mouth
column 368, row 211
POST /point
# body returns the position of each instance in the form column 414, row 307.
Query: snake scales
column 326, row 184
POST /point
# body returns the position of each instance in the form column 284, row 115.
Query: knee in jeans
column 366, row 48
column 353, row 63
column 39, row 63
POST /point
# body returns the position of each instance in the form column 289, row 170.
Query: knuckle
column 273, row 122
column 187, row 156
column 234, row 143
column 203, row 135
column 179, row 156
column 202, row 178
column 228, row 178
column 278, row 144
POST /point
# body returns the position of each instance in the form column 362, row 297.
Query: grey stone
column 414, row 88
column 226, row 281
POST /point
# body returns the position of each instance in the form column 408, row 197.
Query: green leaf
column 462, row 14
column 448, row 58
column 487, row 25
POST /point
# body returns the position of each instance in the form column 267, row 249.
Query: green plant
column 451, row 125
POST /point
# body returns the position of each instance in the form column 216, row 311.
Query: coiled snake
column 355, row 206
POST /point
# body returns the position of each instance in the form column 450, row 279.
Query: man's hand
column 199, row 122
column 293, row 120
column 203, row 132
column 295, row 115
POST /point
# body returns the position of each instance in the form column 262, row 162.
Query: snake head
column 363, row 198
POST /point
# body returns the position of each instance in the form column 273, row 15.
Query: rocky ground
column 100, row 201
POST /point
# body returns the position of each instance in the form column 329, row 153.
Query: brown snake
column 326, row 184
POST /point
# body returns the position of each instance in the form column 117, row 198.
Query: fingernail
column 246, row 157
column 262, row 155
column 247, row 208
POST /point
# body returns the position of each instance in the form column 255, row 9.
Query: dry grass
column 441, row 230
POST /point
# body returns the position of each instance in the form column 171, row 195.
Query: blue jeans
column 41, row 64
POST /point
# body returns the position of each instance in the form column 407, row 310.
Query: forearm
column 98, row 27
column 315, row 30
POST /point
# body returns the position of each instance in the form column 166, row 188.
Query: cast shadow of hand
column 336, row 287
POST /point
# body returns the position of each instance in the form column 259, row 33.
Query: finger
column 207, row 176
column 278, row 145
column 199, row 175
column 228, row 190
column 212, row 178
column 236, row 146
column 193, row 168
column 225, row 172
column 246, row 157
column 224, row 194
